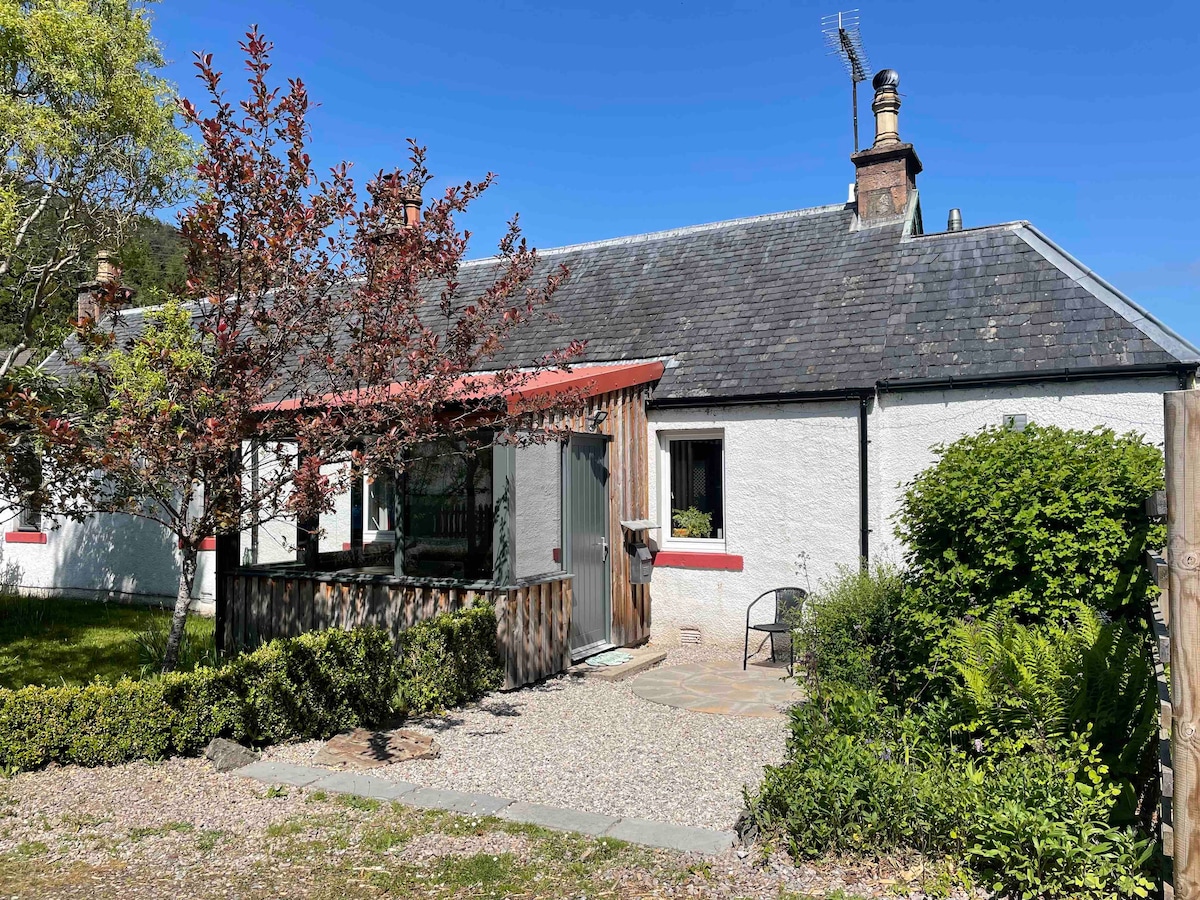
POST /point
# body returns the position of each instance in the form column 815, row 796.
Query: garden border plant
column 311, row 686
column 993, row 702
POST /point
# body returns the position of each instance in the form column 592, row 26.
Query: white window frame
column 381, row 535
column 668, row 541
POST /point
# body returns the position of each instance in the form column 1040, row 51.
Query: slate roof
column 804, row 301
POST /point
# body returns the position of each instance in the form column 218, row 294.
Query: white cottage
column 783, row 376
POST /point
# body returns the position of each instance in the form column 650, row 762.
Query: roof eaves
column 1136, row 315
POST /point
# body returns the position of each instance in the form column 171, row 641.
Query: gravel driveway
column 592, row 745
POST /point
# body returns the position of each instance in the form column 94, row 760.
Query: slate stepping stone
column 365, row 749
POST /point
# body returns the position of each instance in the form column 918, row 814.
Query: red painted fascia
column 209, row 543
column 25, row 537
column 680, row 559
column 591, row 381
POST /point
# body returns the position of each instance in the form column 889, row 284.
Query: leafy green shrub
column 448, row 660
column 1032, row 524
column 1031, row 818
column 1085, row 676
column 845, row 636
column 298, row 688
column 857, row 779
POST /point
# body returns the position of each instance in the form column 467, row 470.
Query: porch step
column 643, row 659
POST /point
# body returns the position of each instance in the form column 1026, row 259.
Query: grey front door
column 585, row 506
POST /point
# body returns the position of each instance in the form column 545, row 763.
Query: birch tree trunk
column 183, row 599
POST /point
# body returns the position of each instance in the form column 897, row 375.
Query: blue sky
column 617, row 117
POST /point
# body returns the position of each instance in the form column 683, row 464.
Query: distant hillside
column 154, row 262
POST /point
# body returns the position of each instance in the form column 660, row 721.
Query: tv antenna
column 842, row 38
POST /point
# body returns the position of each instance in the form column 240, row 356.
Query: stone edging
column 636, row 831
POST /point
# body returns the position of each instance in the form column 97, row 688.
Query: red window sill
column 209, row 543
column 678, row 559
column 25, row 537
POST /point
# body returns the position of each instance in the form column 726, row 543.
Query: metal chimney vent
column 954, row 222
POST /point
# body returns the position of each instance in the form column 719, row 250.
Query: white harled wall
column 791, row 488
column 791, row 481
column 106, row 557
column 791, row 498
column 906, row 427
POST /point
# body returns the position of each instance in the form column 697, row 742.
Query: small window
column 697, row 487
column 1015, row 421
column 30, row 517
column 381, row 492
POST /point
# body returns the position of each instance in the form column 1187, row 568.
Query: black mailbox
column 641, row 563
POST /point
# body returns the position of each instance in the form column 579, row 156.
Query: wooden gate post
column 1183, row 561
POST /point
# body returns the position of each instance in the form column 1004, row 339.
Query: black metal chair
column 789, row 601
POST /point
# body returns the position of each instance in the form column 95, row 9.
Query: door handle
column 603, row 542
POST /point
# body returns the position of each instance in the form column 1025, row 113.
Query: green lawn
column 51, row 641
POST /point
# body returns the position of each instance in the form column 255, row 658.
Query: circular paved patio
column 720, row 687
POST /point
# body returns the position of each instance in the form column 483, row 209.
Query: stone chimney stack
column 885, row 175
column 87, row 302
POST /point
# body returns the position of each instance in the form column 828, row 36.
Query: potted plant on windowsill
column 691, row 522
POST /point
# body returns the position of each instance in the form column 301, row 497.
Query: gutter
column 1182, row 371
column 758, row 399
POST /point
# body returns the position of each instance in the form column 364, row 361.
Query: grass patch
column 353, row 801
column 332, row 851
column 285, row 829
column 207, row 840
column 55, row 640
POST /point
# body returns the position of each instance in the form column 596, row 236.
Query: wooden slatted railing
column 533, row 615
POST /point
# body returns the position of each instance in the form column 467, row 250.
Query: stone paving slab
column 719, row 687
column 559, row 819
column 456, row 801
column 364, row 786
column 671, row 837
column 281, row 773
column 635, row 831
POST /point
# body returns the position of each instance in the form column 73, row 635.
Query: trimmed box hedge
column 311, row 686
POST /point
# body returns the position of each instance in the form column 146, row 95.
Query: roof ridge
column 675, row 232
column 995, row 226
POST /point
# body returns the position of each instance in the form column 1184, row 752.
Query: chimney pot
column 886, row 107
column 410, row 203
column 106, row 269
column 886, row 174
column 954, row 222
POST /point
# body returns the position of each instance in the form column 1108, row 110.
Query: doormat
column 364, row 749
column 610, row 658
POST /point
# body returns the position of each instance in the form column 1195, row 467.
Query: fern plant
column 1084, row 676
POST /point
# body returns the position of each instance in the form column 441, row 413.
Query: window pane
column 696, row 480
column 380, row 493
column 447, row 526
column 29, row 466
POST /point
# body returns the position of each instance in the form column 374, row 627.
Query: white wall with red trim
column 106, row 557
column 791, row 512
column 791, row 484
